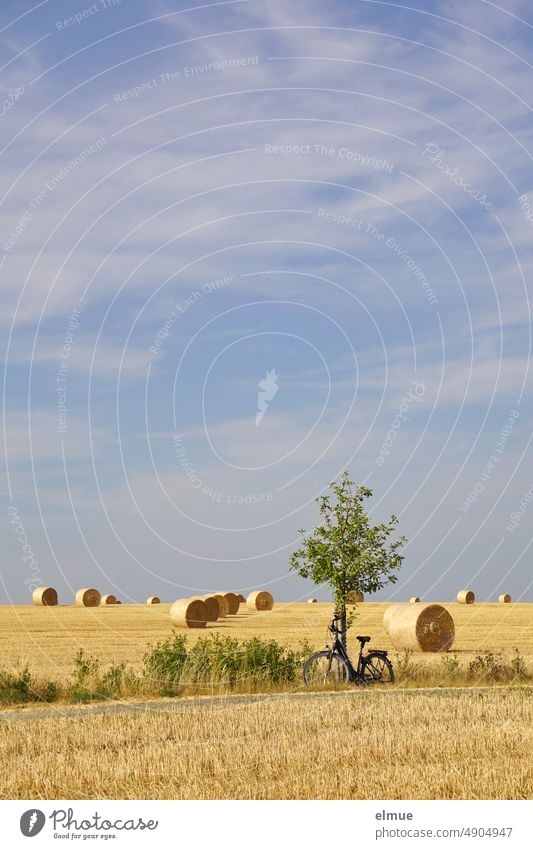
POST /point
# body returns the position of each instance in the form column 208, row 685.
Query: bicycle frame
column 371, row 666
column 356, row 673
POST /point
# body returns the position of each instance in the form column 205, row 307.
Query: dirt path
column 176, row 705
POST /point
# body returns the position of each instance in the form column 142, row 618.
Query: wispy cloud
column 354, row 171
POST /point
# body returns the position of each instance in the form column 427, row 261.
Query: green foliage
column 519, row 666
column 90, row 684
column 346, row 551
column 164, row 663
column 487, row 668
column 492, row 667
column 50, row 692
column 220, row 663
column 170, row 668
column 15, row 688
column 22, row 687
column 404, row 666
column 451, row 664
column 222, row 660
column 85, row 674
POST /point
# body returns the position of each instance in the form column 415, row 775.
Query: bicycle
column 334, row 667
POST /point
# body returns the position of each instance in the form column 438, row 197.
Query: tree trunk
column 344, row 627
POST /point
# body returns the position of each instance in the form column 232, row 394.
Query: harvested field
column 48, row 638
column 279, row 750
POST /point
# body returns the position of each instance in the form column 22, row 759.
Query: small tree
column 346, row 551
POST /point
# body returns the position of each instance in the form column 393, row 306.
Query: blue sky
column 196, row 196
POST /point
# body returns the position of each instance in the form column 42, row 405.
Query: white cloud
column 163, row 205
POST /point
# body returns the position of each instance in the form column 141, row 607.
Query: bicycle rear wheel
column 326, row 669
column 377, row 669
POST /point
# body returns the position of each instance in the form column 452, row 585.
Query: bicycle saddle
column 364, row 639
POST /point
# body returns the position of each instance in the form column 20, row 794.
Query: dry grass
column 391, row 746
column 48, row 638
column 52, row 636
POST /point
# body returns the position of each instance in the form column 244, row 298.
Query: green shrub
column 20, row 688
column 89, row 683
column 519, row 667
column 221, row 660
column 15, row 687
column 451, row 665
column 492, row 667
column 164, row 663
column 404, row 667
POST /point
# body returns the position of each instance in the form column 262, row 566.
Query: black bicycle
column 333, row 667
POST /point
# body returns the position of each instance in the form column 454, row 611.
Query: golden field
column 48, row 638
column 366, row 745
column 393, row 743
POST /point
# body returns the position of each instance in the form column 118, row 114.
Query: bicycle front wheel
column 377, row 669
column 326, row 669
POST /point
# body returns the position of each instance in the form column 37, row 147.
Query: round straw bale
column 466, row 597
column 153, row 599
column 312, row 601
column 118, row 602
column 44, row 596
column 232, row 602
column 88, row 597
column 505, row 598
column 223, row 608
column 389, row 613
column 108, row 599
column 242, row 599
column 260, row 600
column 414, row 599
column 188, row 613
column 212, row 606
column 422, row 627
column 355, row 597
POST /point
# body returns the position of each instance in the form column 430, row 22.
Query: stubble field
column 393, row 744
column 47, row 639
column 387, row 745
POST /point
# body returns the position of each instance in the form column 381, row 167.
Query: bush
column 171, row 666
column 404, row 666
column 163, row 664
column 451, row 665
column 21, row 687
column 519, row 667
column 222, row 660
column 492, row 667
column 15, row 688
column 89, row 684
